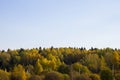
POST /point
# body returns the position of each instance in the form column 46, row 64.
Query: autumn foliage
column 60, row 64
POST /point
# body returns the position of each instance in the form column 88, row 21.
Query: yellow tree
column 18, row 73
column 38, row 67
column 4, row 75
column 112, row 59
column 115, row 58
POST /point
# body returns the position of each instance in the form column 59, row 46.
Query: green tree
column 5, row 60
column 30, row 69
column 112, row 59
column 80, row 68
column 106, row 74
column 102, row 63
column 63, row 68
column 66, row 77
column 92, row 61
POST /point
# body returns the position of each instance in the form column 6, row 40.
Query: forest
column 63, row 63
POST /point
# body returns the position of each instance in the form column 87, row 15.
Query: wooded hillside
column 60, row 64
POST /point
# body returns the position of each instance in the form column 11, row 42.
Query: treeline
column 60, row 64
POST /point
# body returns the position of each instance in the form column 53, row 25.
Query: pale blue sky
column 59, row 23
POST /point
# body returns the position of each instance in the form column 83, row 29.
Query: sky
column 59, row 23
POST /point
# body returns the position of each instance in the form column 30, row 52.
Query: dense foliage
column 60, row 64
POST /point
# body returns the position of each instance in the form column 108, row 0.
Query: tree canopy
column 64, row 63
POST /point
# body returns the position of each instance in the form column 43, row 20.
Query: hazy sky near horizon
column 59, row 23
